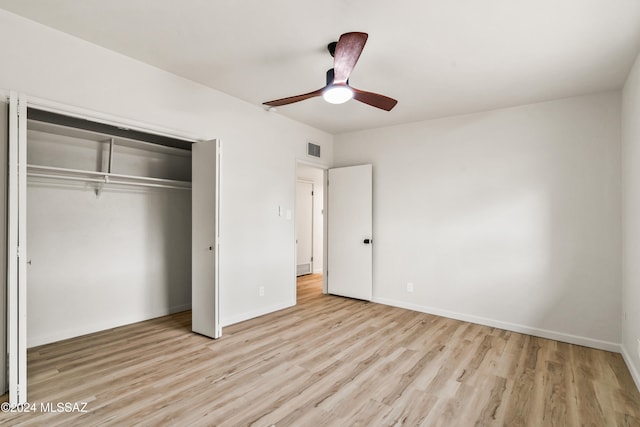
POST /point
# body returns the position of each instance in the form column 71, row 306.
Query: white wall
column 315, row 175
column 259, row 148
column 631, row 221
column 508, row 218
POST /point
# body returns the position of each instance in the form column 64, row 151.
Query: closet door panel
column 4, row 132
column 17, row 250
column 205, row 248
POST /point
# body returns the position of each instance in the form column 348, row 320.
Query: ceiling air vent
column 313, row 150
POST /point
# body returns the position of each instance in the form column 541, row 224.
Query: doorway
column 309, row 220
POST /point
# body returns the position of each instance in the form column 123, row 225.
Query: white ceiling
column 436, row 57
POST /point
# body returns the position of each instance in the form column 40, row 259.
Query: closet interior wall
column 103, row 254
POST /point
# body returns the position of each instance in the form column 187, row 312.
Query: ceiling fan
column 345, row 52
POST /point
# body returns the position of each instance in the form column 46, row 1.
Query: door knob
column 367, row 241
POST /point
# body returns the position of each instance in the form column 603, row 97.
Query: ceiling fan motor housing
column 332, row 48
column 330, row 77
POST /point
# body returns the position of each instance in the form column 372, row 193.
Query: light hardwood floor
column 329, row 361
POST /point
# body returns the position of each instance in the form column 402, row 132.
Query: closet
column 109, row 227
column 106, row 226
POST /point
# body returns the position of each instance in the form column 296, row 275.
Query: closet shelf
column 38, row 171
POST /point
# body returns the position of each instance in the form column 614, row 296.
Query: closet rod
column 106, row 181
column 187, row 184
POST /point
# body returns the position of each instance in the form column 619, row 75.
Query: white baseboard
column 523, row 329
column 257, row 313
column 632, row 367
column 36, row 340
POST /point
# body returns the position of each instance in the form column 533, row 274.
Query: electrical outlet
column 261, row 291
column 410, row 287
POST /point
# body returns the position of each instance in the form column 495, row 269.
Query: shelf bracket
column 110, row 155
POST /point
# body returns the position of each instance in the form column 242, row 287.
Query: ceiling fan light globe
column 337, row 94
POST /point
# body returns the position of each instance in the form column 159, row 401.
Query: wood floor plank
column 328, row 361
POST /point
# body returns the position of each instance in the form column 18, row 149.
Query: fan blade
column 347, row 52
column 292, row 99
column 374, row 99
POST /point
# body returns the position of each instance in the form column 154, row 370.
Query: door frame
column 324, row 168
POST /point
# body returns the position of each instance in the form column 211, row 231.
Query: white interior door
column 349, row 270
column 17, row 250
column 205, row 196
column 304, row 228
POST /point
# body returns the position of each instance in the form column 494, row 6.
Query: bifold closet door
column 17, row 250
column 4, row 134
column 205, row 196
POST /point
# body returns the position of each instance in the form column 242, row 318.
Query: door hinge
column 312, row 193
column 311, row 259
